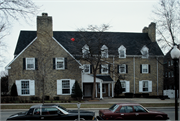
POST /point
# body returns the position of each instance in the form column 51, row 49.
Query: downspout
column 134, row 75
column 157, row 77
column 113, row 78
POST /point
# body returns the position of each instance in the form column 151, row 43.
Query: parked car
column 125, row 111
column 52, row 112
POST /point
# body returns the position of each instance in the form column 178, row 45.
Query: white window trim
column 122, row 48
column 33, row 64
column 144, row 48
column 147, row 69
column 31, row 87
column 149, row 86
column 84, row 49
column 103, row 48
column 127, row 86
column 63, row 60
column 124, row 69
column 59, row 86
column 89, row 68
column 102, row 69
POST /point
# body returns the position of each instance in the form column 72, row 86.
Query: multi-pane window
column 30, row 63
column 25, row 87
column 123, row 85
column 104, row 68
column 85, row 51
column 60, row 63
column 122, row 51
column 172, row 73
column 65, row 86
column 145, row 85
column 87, row 68
column 104, row 51
column 145, row 52
column 145, row 68
column 122, row 68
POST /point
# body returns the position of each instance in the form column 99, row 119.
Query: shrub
column 129, row 95
column 14, row 90
column 76, row 91
column 138, row 95
column 145, row 95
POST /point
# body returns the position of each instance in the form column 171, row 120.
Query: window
column 104, row 51
column 37, row 111
column 104, row 69
column 145, row 86
column 122, row 68
column 87, row 68
column 25, row 87
column 172, row 73
column 103, row 88
column 145, row 52
column 169, row 63
column 139, row 109
column 49, row 111
column 60, row 64
column 30, row 63
column 145, row 68
column 126, row 109
column 64, row 86
column 169, row 74
column 85, row 51
column 125, row 86
column 122, row 51
column 165, row 74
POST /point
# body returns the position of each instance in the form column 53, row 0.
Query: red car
column 125, row 111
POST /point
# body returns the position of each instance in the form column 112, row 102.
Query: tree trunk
column 43, row 91
column 94, row 86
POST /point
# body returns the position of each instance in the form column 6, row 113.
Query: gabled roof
column 133, row 42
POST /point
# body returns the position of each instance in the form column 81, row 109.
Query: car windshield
column 63, row 110
column 113, row 107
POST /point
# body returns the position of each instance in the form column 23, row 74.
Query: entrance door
column 87, row 90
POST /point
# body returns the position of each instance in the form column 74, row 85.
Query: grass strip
column 88, row 105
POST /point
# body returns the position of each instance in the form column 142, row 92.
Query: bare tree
column 89, row 48
column 167, row 18
column 11, row 10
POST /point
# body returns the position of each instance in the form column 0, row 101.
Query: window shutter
column 150, row 86
column 59, row 87
column 149, row 69
column 71, row 85
column 91, row 69
column 109, row 68
column 18, row 85
column 100, row 68
column 126, row 68
column 24, row 63
column 54, row 63
column 140, row 68
column 36, row 64
column 140, row 86
column 127, row 86
column 32, row 87
column 65, row 61
column 118, row 69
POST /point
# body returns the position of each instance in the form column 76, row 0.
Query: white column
column 108, row 89
column 112, row 89
column 101, row 90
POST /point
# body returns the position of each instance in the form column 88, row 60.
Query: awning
column 104, row 77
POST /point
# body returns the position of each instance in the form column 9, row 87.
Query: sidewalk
column 110, row 101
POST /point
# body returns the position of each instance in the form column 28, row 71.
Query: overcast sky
column 68, row 15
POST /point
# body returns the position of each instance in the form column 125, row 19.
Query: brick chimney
column 151, row 30
column 44, row 26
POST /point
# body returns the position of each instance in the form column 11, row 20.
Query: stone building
column 48, row 60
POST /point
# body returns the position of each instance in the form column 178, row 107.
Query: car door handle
column 137, row 114
column 42, row 117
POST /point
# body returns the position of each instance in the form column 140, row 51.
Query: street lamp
column 175, row 54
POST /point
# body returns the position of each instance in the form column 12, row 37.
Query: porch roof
column 104, row 77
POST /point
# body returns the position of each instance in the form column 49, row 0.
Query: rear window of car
column 113, row 107
column 139, row 109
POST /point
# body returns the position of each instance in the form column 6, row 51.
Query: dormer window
column 122, row 52
column 85, row 51
column 104, row 51
column 145, row 52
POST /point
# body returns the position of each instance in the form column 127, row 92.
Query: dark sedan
column 52, row 112
column 130, row 112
